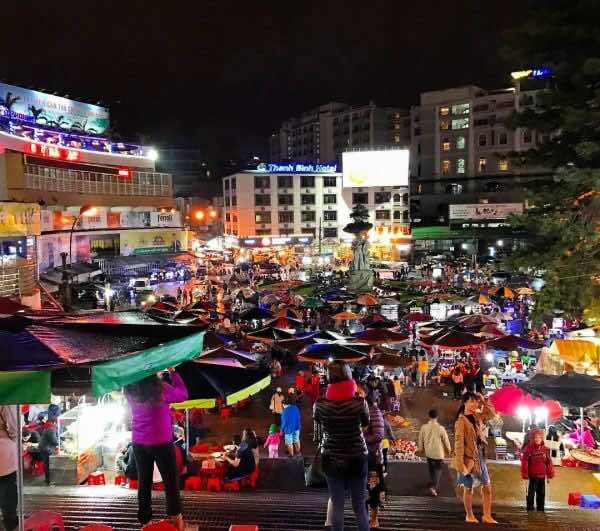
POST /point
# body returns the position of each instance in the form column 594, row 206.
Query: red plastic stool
column 96, row 478
column 96, row 527
column 225, row 413
column 251, row 480
column 159, row 487
column 213, row 484
column 119, row 480
column 44, row 521
column 230, row 486
column 133, row 484
column 238, row 527
column 162, row 525
column 38, row 468
column 193, row 483
column 574, row 498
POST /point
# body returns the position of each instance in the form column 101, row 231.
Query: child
column 536, row 466
column 273, row 440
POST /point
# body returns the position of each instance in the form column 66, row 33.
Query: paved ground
column 276, row 511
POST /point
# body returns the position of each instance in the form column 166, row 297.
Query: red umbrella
column 512, row 342
column 491, row 330
column 454, row 339
column 510, row 398
column 380, row 335
column 477, row 320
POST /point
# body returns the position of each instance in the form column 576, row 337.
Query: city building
column 99, row 199
column 309, row 200
column 203, row 216
column 460, row 155
column 324, row 133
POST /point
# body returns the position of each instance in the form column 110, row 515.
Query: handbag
column 313, row 475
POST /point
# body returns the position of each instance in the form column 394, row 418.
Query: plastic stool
column 38, row 468
column 233, row 485
column 96, row 478
column 574, row 498
column 44, row 521
column 590, row 501
column 96, row 527
column 162, row 525
column 238, row 527
column 159, row 487
column 133, row 483
column 213, row 484
column 225, row 413
column 120, row 480
column 193, row 483
column 250, row 481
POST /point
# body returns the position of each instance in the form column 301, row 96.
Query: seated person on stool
column 243, row 464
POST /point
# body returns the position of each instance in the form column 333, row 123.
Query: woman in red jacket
column 536, row 466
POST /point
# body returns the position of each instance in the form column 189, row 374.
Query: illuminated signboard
column 49, row 110
column 533, row 73
column 375, row 168
column 297, row 167
column 268, row 241
column 53, row 152
column 485, row 211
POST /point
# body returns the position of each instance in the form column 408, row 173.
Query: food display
column 398, row 421
column 405, row 450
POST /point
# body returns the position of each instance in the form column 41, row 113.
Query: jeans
column 164, row 456
column 537, row 490
column 8, row 501
column 46, row 460
column 357, row 486
column 458, row 387
column 435, row 472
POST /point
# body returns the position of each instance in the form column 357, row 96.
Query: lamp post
column 85, row 209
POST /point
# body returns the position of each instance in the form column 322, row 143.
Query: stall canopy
column 570, row 389
column 380, row 335
column 453, row 339
column 574, row 351
column 206, row 384
column 512, row 342
column 326, row 352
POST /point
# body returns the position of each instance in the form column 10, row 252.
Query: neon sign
column 533, row 73
column 296, row 167
column 53, row 152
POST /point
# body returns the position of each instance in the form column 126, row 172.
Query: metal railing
column 18, row 280
column 89, row 182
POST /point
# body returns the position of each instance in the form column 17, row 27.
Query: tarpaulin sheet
column 115, row 374
column 26, row 387
column 56, row 344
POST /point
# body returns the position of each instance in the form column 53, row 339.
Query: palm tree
column 36, row 113
column 79, row 126
column 59, row 122
column 8, row 101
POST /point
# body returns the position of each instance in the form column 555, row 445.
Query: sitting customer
column 243, row 464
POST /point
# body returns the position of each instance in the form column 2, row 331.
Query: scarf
column 341, row 391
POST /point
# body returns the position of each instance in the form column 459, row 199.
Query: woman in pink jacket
column 152, row 437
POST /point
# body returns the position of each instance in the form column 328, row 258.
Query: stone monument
column 361, row 275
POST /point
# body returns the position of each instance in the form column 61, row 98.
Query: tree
column 360, row 220
column 8, row 101
column 36, row 113
column 563, row 221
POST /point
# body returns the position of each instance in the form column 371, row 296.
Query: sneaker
column 433, row 491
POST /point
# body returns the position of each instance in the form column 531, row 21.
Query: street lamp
column 84, row 210
column 199, row 215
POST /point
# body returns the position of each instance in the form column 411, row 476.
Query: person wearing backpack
column 537, row 467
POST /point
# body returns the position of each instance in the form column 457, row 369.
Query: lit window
column 460, row 123
column 460, row 142
column 445, row 167
column 460, row 166
column 463, row 108
column 503, row 165
column 482, row 140
column 482, row 164
column 444, row 125
column 446, row 145
column 444, row 111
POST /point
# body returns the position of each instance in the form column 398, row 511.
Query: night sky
column 221, row 75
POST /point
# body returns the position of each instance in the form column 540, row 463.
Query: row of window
column 287, row 181
column 481, row 167
column 461, row 108
column 233, row 183
column 331, row 215
column 328, row 199
column 455, row 124
column 482, row 139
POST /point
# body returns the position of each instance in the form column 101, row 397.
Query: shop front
column 160, row 241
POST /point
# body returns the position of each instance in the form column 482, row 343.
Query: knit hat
column 273, row 428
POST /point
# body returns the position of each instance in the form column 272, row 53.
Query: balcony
column 139, row 183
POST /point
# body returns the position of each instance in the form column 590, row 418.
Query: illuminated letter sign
column 53, row 152
column 273, row 167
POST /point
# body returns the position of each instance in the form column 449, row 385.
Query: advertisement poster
column 81, row 248
column 150, row 242
column 20, row 219
column 485, row 211
column 375, row 168
column 46, row 109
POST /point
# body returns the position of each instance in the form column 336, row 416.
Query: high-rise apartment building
column 460, row 147
column 322, row 134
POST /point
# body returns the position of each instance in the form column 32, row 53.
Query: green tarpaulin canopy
column 115, row 374
column 24, row 387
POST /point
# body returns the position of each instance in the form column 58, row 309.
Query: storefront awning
column 575, row 350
